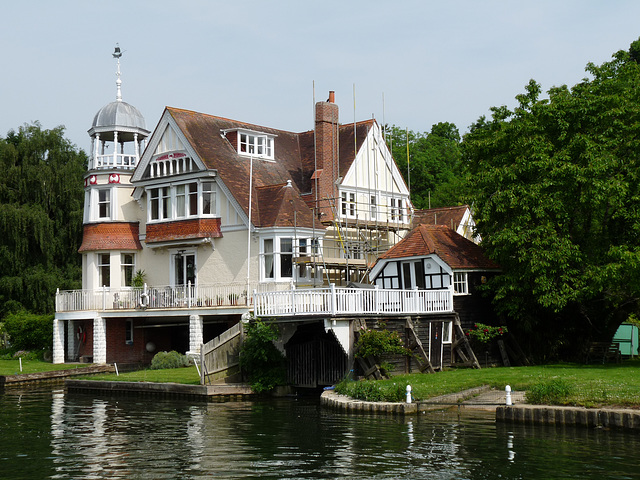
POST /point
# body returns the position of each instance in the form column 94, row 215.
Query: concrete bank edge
column 331, row 399
column 606, row 418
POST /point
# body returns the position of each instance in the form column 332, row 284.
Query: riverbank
column 52, row 376
column 485, row 398
column 214, row 393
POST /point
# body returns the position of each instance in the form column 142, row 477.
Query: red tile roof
column 110, row 236
column 294, row 159
column 281, row 206
column 449, row 216
column 183, row 230
column 454, row 249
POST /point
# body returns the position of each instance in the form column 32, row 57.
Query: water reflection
column 51, row 434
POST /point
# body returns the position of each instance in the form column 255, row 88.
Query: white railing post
column 293, row 299
column 376, row 296
column 255, row 301
column 334, row 300
column 104, row 297
column 189, row 294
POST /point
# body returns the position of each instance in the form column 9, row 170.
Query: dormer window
column 251, row 143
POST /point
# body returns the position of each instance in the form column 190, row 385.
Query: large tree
column 41, row 202
column 433, row 172
column 556, row 190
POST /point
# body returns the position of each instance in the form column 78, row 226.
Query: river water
column 50, row 434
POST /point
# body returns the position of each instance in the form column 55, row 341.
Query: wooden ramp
column 462, row 347
column 423, row 358
column 220, row 358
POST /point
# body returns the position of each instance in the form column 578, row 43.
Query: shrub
column 172, row 359
column 376, row 343
column 485, row 333
column 553, row 392
column 372, row 391
column 260, row 360
column 28, row 331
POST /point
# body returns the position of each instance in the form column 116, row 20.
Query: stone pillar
column 72, row 341
column 195, row 334
column 99, row 340
column 58, row 340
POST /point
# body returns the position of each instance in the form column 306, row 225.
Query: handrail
column 278, row 302
column 347, row 301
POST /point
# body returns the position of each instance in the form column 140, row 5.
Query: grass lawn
column 12, row 367
column 186, row 376
column 584, row 385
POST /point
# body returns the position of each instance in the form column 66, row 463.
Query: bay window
column 182, row 201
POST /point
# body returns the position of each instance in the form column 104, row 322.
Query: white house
column 212, row 209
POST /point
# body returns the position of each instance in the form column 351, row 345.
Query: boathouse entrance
column 314, row 357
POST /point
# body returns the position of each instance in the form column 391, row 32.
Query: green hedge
column 28, row 331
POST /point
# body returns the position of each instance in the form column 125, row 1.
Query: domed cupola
column 118, row 132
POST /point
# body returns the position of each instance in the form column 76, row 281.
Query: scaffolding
column 353, row 241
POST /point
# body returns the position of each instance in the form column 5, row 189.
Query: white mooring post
column 507, row 391
column 408, row 393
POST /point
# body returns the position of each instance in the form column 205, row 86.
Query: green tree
column 557, row 202
column 434, row 173
column 41, row 203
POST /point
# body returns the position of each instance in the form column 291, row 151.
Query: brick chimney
column 328, row 166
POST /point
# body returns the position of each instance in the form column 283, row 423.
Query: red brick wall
column 326, row 156
column 118, row 351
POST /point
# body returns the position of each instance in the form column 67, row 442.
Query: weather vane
column 117, row 54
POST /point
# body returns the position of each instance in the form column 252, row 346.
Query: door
column 184, row 268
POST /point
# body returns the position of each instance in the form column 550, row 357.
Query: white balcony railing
column 266, row 299
column 160, row 297
column 352, row 301
column 117, row 160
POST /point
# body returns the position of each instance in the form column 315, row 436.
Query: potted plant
column 139, row 279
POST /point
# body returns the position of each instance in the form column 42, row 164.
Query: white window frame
column 172, row 266
column 348, row 204
column 460, row 283
column 124, row 266
column 256, row 144
column 268, row 255
column 103, row 262
column 447, row 332
column 285, row 255
column 128, row 332
column 373, row 207
column 106, row 202
column 167, row 200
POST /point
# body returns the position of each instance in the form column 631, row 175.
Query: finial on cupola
column 117, row 54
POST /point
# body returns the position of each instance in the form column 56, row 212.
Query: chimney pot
column 332, row 96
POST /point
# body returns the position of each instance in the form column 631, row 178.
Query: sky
column 407, row 63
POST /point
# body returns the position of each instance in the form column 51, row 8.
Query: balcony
column 335, row 301
column 266, row 300
column 117, row 160
column 159, row 297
